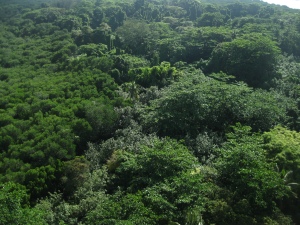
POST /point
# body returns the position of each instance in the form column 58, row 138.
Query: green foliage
column 40, row 180
column 14, row 206
column 158, row 75
column 211, row 19
column 135, row 36
column 43, row 109
column 248, row 177
column 151, row 165
column 282, row 145
column 89, row 90
column 250, row 58
column 102, row 119
column 75, row 174
column 197, row 103
column 164, row 176
column 204, row 146
column 93, row 50
column 130, row 139
column 87, row 196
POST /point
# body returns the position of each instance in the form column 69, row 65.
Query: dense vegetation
column 149, row 112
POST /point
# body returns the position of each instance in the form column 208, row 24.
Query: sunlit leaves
column 14, row 206
column 245, row 172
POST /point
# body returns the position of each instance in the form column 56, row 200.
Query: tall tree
column 250, row 58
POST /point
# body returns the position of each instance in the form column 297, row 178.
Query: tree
column 135, row 35
column 98, row 16
column 102, row 118
column 211, row 19
column 86, row 197
column 250, row 58
column 282, row 146
column 75, row 174
column 249, row 179
column 197, row 103
column 165, row 159
column 157, row 75
column 165, row 177
column 14, row 206
column 200, row 42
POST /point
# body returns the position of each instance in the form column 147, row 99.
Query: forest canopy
column 149, row 112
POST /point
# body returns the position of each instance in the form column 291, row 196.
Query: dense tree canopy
column 197, row 103
column 250, row 58
column 149, row 112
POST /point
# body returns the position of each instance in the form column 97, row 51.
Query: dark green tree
column 135, row 36
column 197, row 103
column 251, row 58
